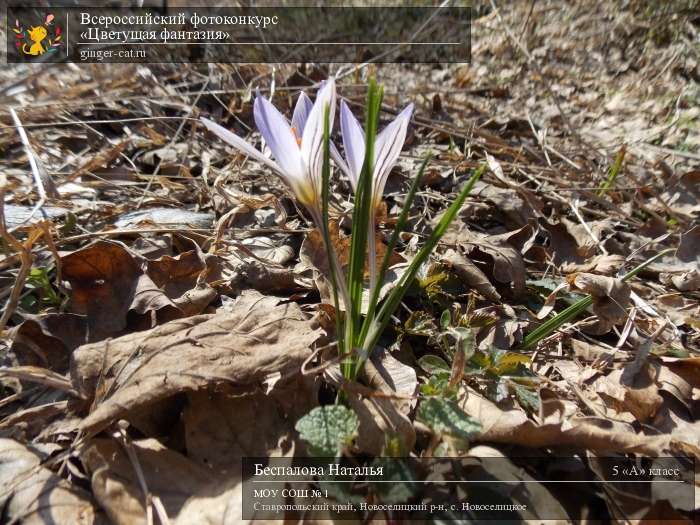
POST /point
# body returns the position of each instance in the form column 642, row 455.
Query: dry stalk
column 26, row 259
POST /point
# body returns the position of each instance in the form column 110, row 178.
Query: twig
column 152, row 500
column 42, row 376
column 25, row 258
column 44, row 184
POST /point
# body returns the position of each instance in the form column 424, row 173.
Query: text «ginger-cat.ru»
column 111, row 54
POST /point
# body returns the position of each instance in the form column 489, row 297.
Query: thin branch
column 45, row 186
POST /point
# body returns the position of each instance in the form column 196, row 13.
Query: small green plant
column 327, row 430
column 38, row 280
column 445, row 417
column 614, row 171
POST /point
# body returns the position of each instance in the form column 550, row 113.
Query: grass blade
column 398, row 228
column 335, row 270
column 614, row 171
column 394, row 299
column 360, row 228
column 578, row 307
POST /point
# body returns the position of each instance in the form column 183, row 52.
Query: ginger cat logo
column 35, row 41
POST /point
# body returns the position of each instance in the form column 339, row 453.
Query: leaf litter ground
column 165, row 308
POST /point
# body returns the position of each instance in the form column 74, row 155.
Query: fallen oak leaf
column 243, row 347
column 106, row 281
column 507, row 267
column 48, row 339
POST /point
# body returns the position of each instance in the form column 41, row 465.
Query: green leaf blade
column 446, row 418
column 328, row 429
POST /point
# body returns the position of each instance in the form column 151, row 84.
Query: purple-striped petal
column 279, row 137
column 340, row 162
column 238, row 143
column 312, row 138
column 301, row 113
column 353, row 142
column 388, row 147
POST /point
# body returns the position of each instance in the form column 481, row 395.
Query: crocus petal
column 312, row 138
column 340, row 162
column 353, row 142
column 388, row 147
column 301, row 113
column 279, row 137
column 238, row 143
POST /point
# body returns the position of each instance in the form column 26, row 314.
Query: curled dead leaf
column 610, row 298
column 106, row 281
column 471, row 274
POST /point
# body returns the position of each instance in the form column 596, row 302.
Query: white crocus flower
column 387, row 147
column 297, row 149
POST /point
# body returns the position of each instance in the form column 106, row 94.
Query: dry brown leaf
column 196, row 300
column 637, row 393
column 218, row 433
column 682, row 195
column 47, row 340
column 680, row 310
column 382, row 415
column 689, row 246
column 165, row 217
column 107, row 281
column 586, row 245
column 269, row 250
column 103, row 279
column 266, row 279
column 169, row 475
column 687, row 282
column 563, row 247
column 401, row 378
column 179, row 274
column 506, row 263
column 471, row 274
column 241, row 348
column 610, row 299
column 28, row 423
column 687, row 368
column 515, row 206
column 602, row 264
column 218, row 429
column 587, row 351
column 598, row 434
column 33, row 495
column 102, row 159
column 202, row 486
